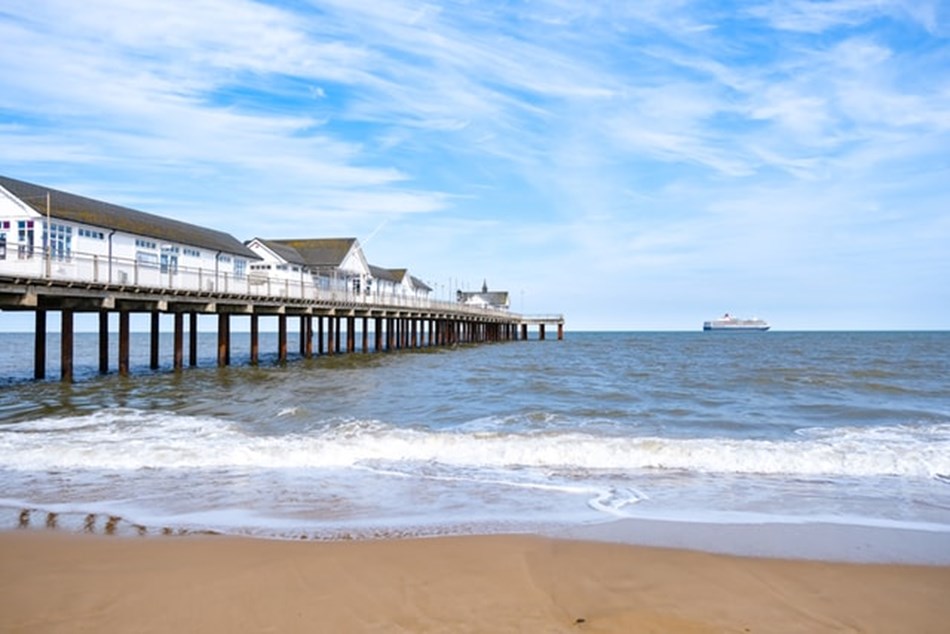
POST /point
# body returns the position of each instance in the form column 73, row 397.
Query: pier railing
column 124, row 274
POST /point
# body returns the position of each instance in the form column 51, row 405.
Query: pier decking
column 401, row 323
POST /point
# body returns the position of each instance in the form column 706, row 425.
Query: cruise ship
column 728, row 322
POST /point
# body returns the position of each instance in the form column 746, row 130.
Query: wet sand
column 56, row 582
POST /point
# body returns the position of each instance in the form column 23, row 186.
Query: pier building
column 485, row 298
column 70, row 254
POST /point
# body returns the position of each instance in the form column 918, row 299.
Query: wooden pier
column 425, row 323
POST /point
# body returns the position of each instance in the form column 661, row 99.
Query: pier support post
column 66, row 346
column 378, row 334
column 331, row 335
column 39, row 345
column 193, row 339
column 308, row 336
column 560, row 332
column 365, row 334
column 541, row 332
column 104, row 342
column 153, row 342
column 178, row 356
column 302, row 337
column 350, row 335
column 524, row 332
column 281, row 338
column 337, row 336
column 255, row 339
column 123, row 343
column 224, row 339
column 320, row 335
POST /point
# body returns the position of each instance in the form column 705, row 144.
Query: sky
column 633, row 165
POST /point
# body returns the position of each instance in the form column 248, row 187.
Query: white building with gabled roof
column 485, row 298
column 337, row 265
column 45, row 232
column 397, row 283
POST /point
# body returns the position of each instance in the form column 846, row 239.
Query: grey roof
column 397, row 276
column 66, row 206
column 381, row 273
column 286, row 253
column 316, row 252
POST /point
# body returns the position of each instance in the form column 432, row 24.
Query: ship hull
column 731, row 327
column 731, row 323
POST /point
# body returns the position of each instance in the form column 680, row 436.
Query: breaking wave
column 128, row 439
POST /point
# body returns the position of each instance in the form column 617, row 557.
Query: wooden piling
column 308, row 336
column 123, row 343
column 103, row 342
column 39, row 345
column 66, row 345
column 153, row 341
column 320, row 348
column 255, row 339
column 365, row 333
column 224, row 340
column 193, row 339
column 178, row 356
column 282, row 338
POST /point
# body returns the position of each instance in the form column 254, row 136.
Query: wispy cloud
column 621, row 149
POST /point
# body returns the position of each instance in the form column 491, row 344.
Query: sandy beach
column 55, row 582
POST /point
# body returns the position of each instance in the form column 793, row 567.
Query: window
column 147, row 260
column 192, row 253
column 25, row 238
column 356, row 285
column 239, row 267
column 169, row 262
column 145, row 244
column 90, row 233
column 61, row 241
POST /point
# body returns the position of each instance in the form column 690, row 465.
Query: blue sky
column 634, row 165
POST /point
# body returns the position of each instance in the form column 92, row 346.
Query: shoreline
column 818, row 539
column 59, row 582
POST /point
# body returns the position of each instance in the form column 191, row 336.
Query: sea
column 837, row 438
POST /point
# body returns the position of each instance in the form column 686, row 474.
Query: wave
column 128, row 439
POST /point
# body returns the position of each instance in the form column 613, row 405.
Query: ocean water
column 737, row 428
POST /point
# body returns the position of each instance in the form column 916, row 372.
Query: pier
column 68, row 254
column 337, row 323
